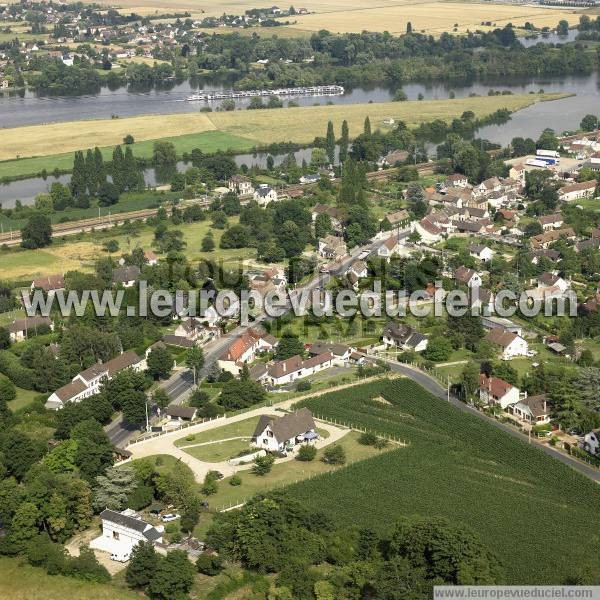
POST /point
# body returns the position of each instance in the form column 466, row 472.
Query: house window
column 115, row 535
column 269, row 434
column 265, row 441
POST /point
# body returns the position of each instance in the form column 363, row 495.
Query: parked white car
column 170, row 517
column 120, row 556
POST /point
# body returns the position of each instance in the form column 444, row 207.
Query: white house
column 456, row 180
column 265, row 194
column 510, row 343
column 428, row 231
column 276, row 434
column 50, row 284
column 591, row 442
column 482, row 253
column 20, row 329
column 240, row 185
column 550, row 222
column 577, row 191
column 533, row 410
column 340, row 352
column 332, row 246
column 404, row 337
column 126, row 276
column 468, row 277
column 389, row 247
column 151, row 258
column 493, row 390
column 548, row 280
column 293, row 368
column 123, row 531
column 88, row 382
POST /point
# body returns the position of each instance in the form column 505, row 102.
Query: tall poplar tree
column 78, row 177
column 344, row 141
column 118, row 174
column 330, row 143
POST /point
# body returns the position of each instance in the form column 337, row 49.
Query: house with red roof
column 496, row 391
column 244, row 349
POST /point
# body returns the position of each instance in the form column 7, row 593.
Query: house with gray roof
column 123, row 531
column 276, row 434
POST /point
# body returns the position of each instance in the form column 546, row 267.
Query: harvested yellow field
column 433, row 17
column 300, row 124
column 303, row 124
column 388, row 15
column 57, row 138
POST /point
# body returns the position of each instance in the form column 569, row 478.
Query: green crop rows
column 540, row 516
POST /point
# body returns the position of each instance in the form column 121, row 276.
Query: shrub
column 263, row 465
column 306, row 453
column 303, row 386
column 334, row 455
column 367, row 439
column 209, row 564
column 235, row 481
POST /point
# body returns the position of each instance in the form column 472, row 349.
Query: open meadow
column 532, row 510
column 19, row 581
column 241, row 128
column 80, row 254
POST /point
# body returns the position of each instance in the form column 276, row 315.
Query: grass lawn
column 244, row 428
column 288, row 472
column 19, row 581
column 237, row 129
column 220, row 451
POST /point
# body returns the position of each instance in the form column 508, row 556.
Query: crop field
column 532, row 510
column 186, row 131
column 432, row 17
column 386, row 15
column 238, row 129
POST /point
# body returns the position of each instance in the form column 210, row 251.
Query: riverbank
column 234, row 131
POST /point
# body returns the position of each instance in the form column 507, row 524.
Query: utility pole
column 147, row 421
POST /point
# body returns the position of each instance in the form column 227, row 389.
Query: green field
column 128, row 202
column 532, row 510
column 208, row 141
column 19, row 581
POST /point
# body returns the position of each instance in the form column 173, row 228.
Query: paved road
column 431, row 385
column 181, row 383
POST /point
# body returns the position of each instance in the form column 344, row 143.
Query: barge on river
column 316, row 90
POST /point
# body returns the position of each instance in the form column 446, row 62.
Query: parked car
column 120, row 556
column 170, row 517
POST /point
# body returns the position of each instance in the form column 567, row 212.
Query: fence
column 184, row 425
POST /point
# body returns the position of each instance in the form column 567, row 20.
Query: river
column 27, row 108
column 560, row 115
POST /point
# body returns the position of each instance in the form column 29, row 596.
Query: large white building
column 88, row 382
column 123, row 531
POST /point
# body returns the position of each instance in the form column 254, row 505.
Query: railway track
column 107, row 221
